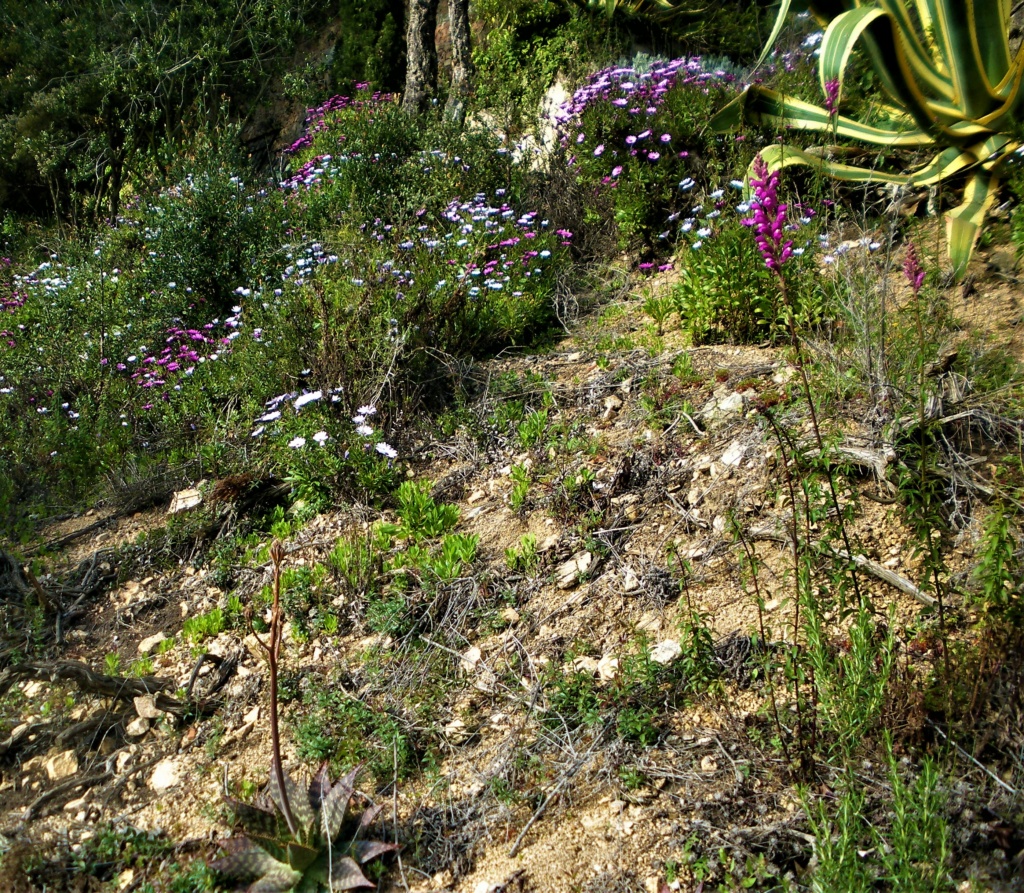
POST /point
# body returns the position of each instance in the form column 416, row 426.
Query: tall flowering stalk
column 272, row 648
column 769, row 223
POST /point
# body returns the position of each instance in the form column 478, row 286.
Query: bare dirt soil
column 682, row 471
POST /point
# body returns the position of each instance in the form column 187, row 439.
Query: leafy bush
column 101, row 97
column 725, row 292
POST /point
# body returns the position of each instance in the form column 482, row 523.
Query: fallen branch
column 877, row 461
column 70, row 785
column 897, row 581
column 77, row 673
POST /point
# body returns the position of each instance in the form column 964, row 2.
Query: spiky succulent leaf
column 301, row 856
column 346, row 875
column 319, row 787
column 276, row 861
column 298, row 800
column 366, row 819
column 335, row 804
column 255, row 818
column 244, row 859
column 279, row 880
column 365, row 850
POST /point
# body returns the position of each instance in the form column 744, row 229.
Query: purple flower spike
column 913, row 270
column 769, row 217
column 832, row 97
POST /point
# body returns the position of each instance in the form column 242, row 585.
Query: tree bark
column 462, row 59
column 421, row 55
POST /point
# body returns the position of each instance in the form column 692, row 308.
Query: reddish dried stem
column 273, row 653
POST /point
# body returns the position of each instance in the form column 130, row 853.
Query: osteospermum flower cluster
column 488, row 246
column 640, row 93
column 184, row 350
column 769, row 217
column 11, row 298
column 633, row 98
column 318, row 119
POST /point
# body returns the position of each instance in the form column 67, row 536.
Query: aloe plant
column 293, row 839
column 953, row 88
column 314, row 857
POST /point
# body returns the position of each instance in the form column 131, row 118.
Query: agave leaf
column 839, row 41
column 243, row 858
column 780, row 20
column 365, row 850
column 760, row 105
column 886, row 47
column 778, row 157
column 991, row 35
column 964, row 222
column 346, row 875
column 922, row 51
column 948, row 162
column 968, row 59
column 298, row 800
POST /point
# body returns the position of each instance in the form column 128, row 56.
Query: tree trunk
column 462, row 59
column 421, row 55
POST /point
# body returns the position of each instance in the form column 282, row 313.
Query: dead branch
column 77, row 673
column 71, row 784
column 897, row 581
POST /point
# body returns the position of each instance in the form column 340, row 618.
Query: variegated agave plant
column 655, row 10
column 953, row 86
column 315, row 855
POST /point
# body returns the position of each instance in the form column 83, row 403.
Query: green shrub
column 725, row 292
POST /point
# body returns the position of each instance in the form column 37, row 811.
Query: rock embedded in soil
column 665, row 652
column 62, row 765
column 150, row 642
column 137, row 727
column 167, row 774
column 145, row 706
column 568, row 575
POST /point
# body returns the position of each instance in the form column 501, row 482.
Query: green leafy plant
column 655, row 10
column 142, row 667
column 523, row 558
column 421, row 516
column 457, row 551
column 953, row 87
column 520, row 487
column 531, row 429
column 203, row 626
